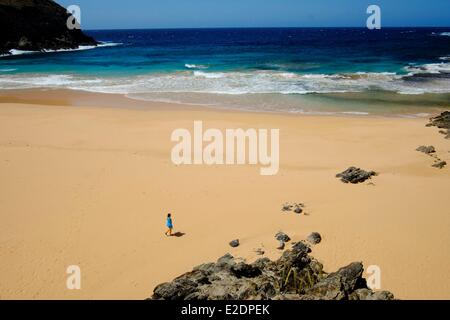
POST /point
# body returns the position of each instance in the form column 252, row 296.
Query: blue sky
column 113, row 14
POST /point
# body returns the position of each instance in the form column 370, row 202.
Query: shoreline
column 82, row 98
column 88, row 181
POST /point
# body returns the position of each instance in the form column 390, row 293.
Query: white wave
column 238, row 83
column 195, row 66
column 82, row 48
column 109, row 44
column 209, row 75
column 7, row 70
column 16, row 52
column 431, row 68
column 442, row 34
column 356, row 113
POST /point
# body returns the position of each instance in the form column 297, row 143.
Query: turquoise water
column 295, row 70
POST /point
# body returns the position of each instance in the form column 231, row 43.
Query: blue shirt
column 169, row 223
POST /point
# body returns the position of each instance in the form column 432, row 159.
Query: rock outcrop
column 355, row 175
column 36, row 25
column 431, row 151
column 426, row 149
column 442, row 121
column 439, row 164
column 295, row 276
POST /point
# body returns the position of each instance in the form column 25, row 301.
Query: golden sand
column 83, row 182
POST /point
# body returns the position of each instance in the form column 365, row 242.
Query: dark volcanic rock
column 339, row 285
column 282, row 245
column 294, row 207
column 442, row 121
column 314, row 238
column 234, row 243
column 426, row 149
column 281, row 236
column 355, row 175
column 36, row 25
column 301, row 247
column 439, row 164
column 295, row 276
column 259, row 252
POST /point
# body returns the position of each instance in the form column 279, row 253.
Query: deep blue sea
column 294, row 70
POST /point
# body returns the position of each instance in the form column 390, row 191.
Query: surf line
column 231, row 147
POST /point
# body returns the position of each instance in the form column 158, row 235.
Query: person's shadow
column 178, row 234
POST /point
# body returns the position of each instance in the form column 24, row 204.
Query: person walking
column 169, row 224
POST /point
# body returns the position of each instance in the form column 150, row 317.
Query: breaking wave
column 195, row 66
column 16, row 52
column 417, row 79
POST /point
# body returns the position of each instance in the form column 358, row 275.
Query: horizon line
column 215, row 28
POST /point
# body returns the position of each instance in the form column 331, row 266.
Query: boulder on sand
column 355, row 175
column 426, row 149
column 281, row 236
column 314, row 238
column 234, row 243
column 439, row 164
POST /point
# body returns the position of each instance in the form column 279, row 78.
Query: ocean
column 403, row 71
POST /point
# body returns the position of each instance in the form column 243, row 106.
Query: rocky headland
column 37, row 25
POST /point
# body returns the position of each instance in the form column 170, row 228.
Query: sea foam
column 432, row 78
column 16, row 52
column 195, row 66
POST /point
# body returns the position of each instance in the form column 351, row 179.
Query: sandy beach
column 87, row 180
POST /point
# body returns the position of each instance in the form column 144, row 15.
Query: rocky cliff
column 37, row 25
column 295, row 276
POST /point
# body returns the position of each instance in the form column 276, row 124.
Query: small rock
column 259, row 252
column 298, row 210
column 314, row 238
column 295, row 207
column 283, row 237
column 301, row 247
column 234, row 243
column 426, row 149
column 281, row 246
column 439, row 164
column 355, row 175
